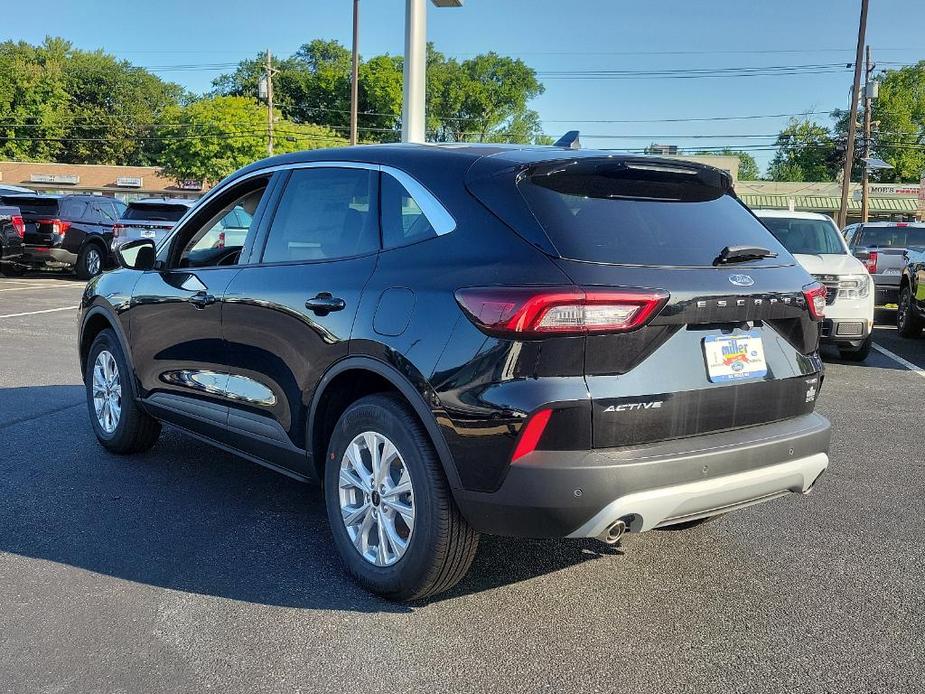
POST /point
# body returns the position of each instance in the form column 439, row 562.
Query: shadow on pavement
column 192, row 518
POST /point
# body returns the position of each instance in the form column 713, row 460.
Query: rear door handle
column 201, row 299
column 325, row 303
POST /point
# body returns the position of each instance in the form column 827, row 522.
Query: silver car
column 151, row 218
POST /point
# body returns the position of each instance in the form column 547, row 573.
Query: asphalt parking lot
column 188, row 569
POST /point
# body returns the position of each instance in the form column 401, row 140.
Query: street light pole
column 413, row 120
column 355, row 74
column 412, row 117
column 853, row 117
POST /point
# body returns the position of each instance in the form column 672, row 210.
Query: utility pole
column 269, row 104
column 868, row 105
column 355, row 75
column 412, row 117
column 853, row 117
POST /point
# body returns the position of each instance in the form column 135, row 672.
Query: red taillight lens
column 871, row 262
column 221, row 240
column 541, row 311
column 58, row 226
column 530, row 436
column 19, row 225
column 117, row 230
column 815, row 299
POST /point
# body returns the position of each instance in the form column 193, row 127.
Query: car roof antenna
column 569, row 140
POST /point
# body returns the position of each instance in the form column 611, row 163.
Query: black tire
column 135, row 430
column 908, row 324
column 859, row 354
column 85, row 268
column 441, row 545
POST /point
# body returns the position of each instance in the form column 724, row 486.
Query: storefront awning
column 819, row 203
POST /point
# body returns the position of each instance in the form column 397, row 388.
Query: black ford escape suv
column 536, row 342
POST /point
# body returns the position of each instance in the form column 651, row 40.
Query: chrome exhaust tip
column 613, row 532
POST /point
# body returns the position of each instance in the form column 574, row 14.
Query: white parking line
column 895, row 357
column 34, row 287
column 33, row 313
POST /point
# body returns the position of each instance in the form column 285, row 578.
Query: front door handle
column 201, row 299
column 324, row 303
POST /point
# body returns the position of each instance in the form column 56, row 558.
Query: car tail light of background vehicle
column 221, row 240
column 117, row 230
column 58, row 226
column 538, row 311
column 815, row 299
column 19, row 225
column 871, row 262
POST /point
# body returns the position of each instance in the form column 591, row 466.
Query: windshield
column 809, row 236
column 893, row 237
column 155, row 213
column 639, row 213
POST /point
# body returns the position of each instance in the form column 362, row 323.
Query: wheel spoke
column 350, row 480
column 395, row 540
column 361, row 539
column 382, row 552
column 354, row 514
column 355, row 457
column 372, row 445
column 404, row 510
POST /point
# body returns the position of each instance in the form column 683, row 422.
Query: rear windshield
column 893, row 237
column 30, row 205
column 812, row 236
column 155, row 212
column 639, row 214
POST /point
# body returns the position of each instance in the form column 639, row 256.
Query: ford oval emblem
column 741, row 280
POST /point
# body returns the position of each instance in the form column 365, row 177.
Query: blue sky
column 551, row 35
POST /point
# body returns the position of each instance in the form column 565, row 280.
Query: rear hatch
column 39, row 214
column 733, row 345
column 150, row 220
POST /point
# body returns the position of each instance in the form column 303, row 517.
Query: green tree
column 899, row 137
column 806, row 151
column 748, row 167
column 212, row 137
column 482, row 99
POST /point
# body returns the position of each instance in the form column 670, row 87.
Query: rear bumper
column 580, row 493
column 40, row 256
column 886, row 289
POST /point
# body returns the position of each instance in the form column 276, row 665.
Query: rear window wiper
column 739, row 254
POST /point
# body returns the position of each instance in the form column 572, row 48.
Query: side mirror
column 139, row 254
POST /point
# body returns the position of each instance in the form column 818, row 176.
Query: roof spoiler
column 569, row 140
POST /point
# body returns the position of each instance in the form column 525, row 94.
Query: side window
column 324, row 213
column 403, row 221
column 849, row 234
column 75, row 210
column 205, row 241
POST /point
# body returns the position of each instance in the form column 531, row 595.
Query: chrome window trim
column 438, row 216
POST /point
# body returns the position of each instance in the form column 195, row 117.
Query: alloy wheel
column 107, row 391
column 376, row 499
column 94, row 262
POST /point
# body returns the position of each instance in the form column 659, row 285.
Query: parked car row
column 81, row 232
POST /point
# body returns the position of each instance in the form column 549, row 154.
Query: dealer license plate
column 734, row 357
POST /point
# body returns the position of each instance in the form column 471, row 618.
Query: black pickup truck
column 910, row 318
column 12, row 230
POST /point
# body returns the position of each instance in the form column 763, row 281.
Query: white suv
column 816, row 243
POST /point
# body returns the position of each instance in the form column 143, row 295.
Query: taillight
column 531, row 433
column 815, row 299
column 117, row 230
column 19, row 225
column 871, row 262
column 221, row 240
column 58, row 226
column 541, row 311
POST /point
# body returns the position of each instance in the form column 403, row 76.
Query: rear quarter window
column 644, row 214
column 32, row 206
